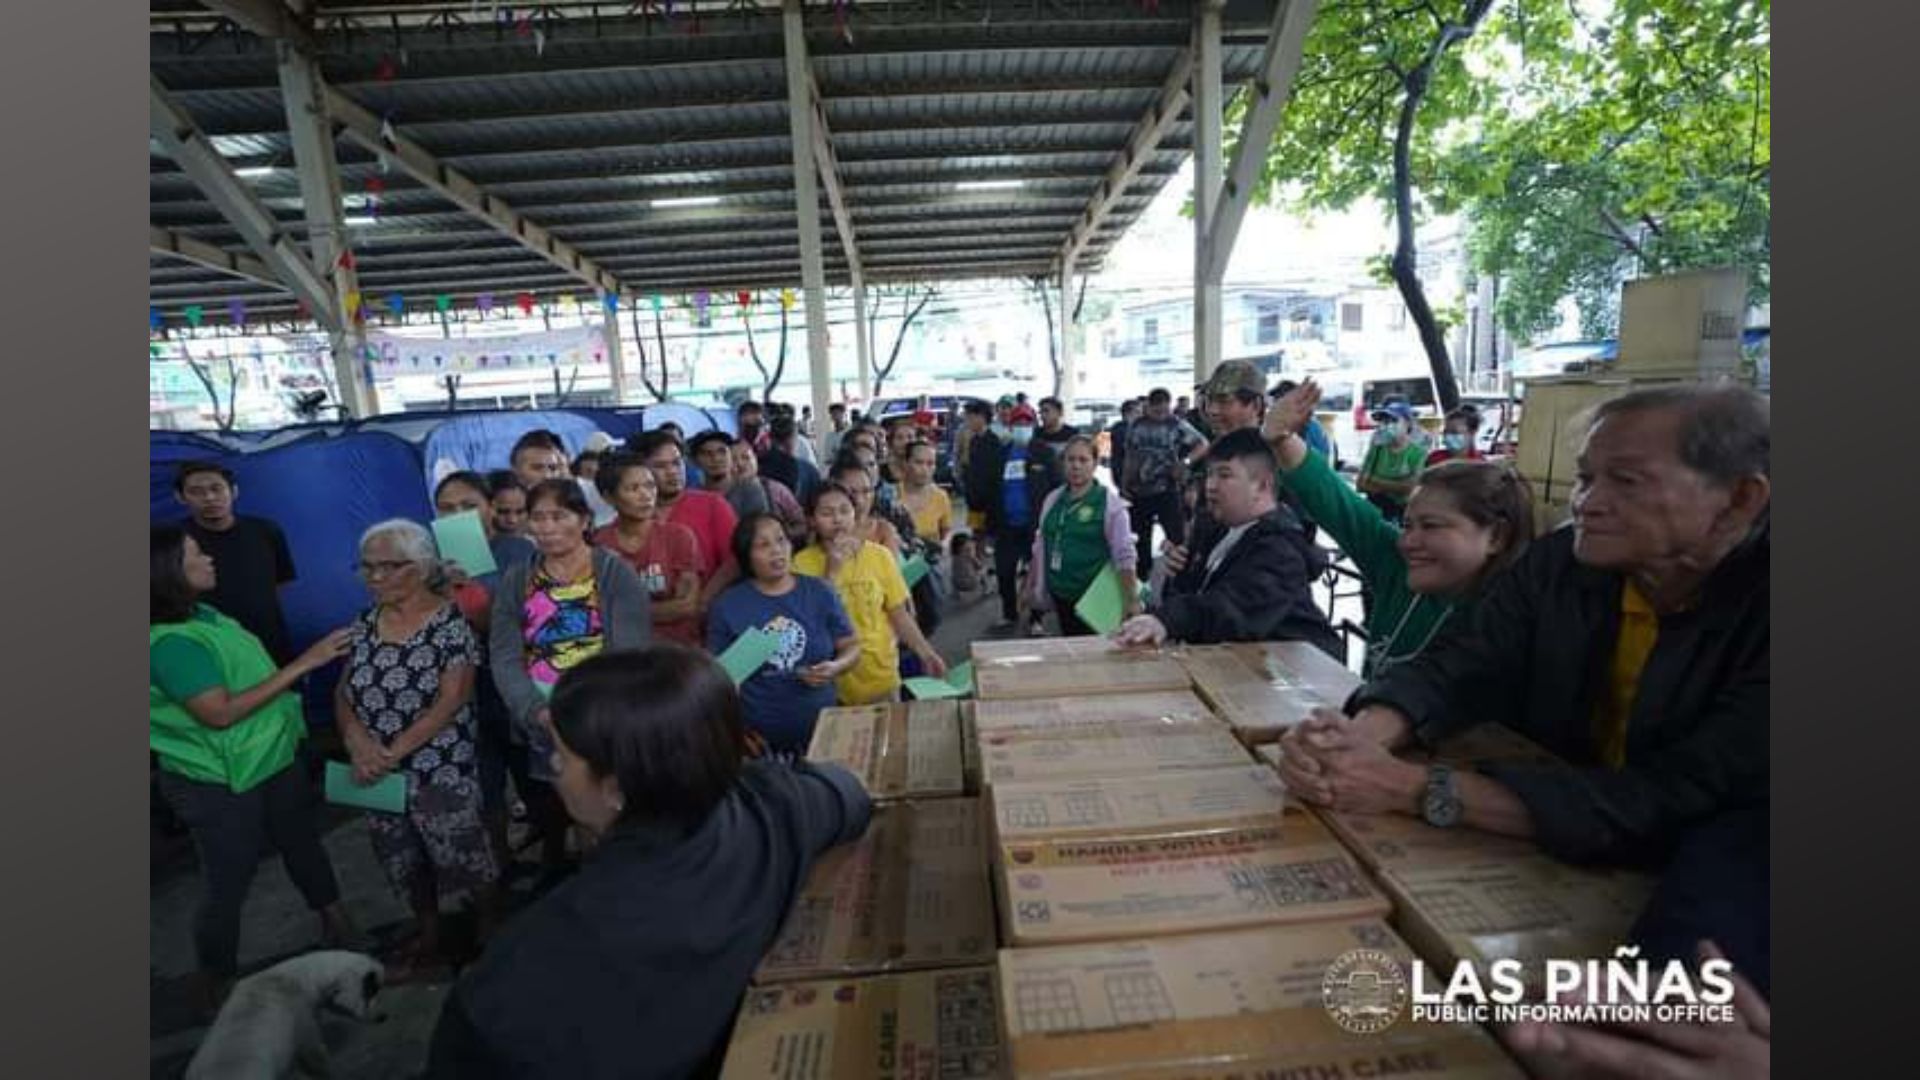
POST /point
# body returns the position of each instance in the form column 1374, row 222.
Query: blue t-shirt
column 808, row 621
column 1013, row 492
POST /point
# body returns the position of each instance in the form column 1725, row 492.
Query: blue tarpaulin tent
column 324, row 484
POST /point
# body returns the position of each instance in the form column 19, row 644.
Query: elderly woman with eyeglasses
column 404, row 705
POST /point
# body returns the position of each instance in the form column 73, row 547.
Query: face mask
column 1022, row 435
column 1387, row 431
column 1001, row 430
column 1454, row 442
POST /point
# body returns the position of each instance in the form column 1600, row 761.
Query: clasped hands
column 1342, row 763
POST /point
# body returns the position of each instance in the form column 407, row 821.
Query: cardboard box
column 1263, row 688
column 1241, row 1004
column 970, row 747
column 1069, row 667
column 1689, row 324
column 1172, row 804
column 912, row 893
column 1063, row 891
column 1106, row 752
column 1386, row 841
column 902, row 751
column 1296, row 663
column 1144, row 709
column 920, row 1023
column 1528, row 909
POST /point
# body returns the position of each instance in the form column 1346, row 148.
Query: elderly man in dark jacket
column 1635, row 645
column 1250, row 580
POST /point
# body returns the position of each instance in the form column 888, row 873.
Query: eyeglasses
column 381, row 568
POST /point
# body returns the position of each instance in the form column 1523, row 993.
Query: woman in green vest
column 1466, row 521
column 1083, row 527
column 225, row 725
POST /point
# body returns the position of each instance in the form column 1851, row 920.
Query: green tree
column 1644, row 149
column 1581, row 144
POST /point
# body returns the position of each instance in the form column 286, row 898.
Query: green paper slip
column 464, row 541
column 747, row 653
column 958, row 683
column 914, row 569
column 387, row 794
column 1103, row 604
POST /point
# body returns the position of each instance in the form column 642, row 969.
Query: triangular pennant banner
column 194, row 315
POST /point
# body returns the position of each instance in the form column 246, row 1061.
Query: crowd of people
column 1632, row 645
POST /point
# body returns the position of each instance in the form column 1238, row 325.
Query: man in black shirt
column 250, row 556
column 781, row 463
column 1054, row 430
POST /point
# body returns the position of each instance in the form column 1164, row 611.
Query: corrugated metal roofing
column 617, row 106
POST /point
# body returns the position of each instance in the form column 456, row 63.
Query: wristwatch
column 1440, row 806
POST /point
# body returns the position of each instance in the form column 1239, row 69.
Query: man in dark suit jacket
column 1251, row 579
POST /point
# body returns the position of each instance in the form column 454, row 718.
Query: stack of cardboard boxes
column 1088, row 872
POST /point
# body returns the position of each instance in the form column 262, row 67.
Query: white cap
column 599, row 443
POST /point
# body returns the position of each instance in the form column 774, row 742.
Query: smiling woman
column 1465, row 521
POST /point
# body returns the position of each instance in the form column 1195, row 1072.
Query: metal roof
column 581, row 115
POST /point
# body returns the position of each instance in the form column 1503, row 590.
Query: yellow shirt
column 868, row 586
column 1639, row 629
column 933, row 516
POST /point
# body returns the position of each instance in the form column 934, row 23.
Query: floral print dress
column 440, row 838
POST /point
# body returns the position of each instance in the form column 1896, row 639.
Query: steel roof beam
column 264, row 233
column 1147, row 133
column 1271, row 90
column 267, row 19
column 367, row 130
column 201, row 253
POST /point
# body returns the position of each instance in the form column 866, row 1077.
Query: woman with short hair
column 226, row 725
column 404, row 706
column 567, row 604
column 1083, row 529
column 635, row 967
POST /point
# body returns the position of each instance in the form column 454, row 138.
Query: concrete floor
column 277, row 923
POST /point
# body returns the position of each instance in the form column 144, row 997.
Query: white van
column 1347, row 403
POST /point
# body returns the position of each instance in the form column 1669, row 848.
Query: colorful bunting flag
column 485, row 303
column 237, row 312
column 613, row 303
column 194, row 315
column 443, row 302
column 746, row 299
column 525, row 300
column 155, row 320
column 396, row 304
column 786, row 299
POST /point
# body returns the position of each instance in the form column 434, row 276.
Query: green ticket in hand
column 914, row 569
column 747, row 653
column 1104, row 603
column 387, row 795
column 958, row 683
column 463, row 540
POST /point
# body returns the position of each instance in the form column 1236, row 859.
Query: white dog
column 267, row 1029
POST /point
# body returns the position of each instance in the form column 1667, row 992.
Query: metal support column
column 806, row 193
column 863, row 344
column 1069, row 368
column 1208, row 165
column 616, row 357
column 311, row 130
